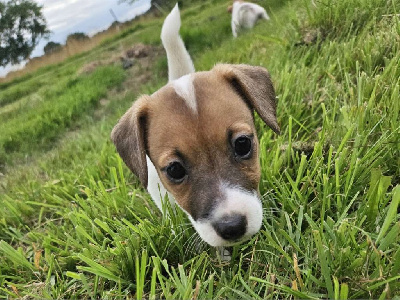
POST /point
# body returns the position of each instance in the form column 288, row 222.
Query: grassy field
column 75, row 223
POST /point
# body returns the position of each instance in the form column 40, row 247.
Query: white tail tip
column 179, row 61
column 171, row 26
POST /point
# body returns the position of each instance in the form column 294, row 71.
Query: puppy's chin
column 237, row 202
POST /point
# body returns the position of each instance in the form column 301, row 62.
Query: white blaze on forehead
column 185, row 89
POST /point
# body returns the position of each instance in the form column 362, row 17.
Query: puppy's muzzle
column 231, row 227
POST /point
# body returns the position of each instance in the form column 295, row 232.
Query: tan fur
column 130, row 140
column 230, row 7
column 202, row 138
column 166, row 129
column 256, row 84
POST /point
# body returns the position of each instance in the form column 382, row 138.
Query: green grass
column 45, row 116
column 75, row 223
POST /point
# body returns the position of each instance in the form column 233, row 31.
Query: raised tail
column 179, row 61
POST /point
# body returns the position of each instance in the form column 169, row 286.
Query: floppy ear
column 255, row 86
column 129, row 137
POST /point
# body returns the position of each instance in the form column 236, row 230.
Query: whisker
column 177, row 237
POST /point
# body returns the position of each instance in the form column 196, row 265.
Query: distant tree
column 52, row 47
column 22, row 25
column 77, row 36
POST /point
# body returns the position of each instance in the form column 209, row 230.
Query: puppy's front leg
column 234, row 28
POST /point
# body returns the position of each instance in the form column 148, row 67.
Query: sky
column 88, row 16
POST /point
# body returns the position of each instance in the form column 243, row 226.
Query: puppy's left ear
column 129, row 137
column 254, row 85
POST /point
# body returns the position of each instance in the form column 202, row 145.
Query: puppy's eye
column 243, row 147
column 176, row 172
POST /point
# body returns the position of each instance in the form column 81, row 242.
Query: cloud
column 90, row 16
column 69, row 16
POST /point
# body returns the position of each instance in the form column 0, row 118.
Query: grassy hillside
column 75, row 223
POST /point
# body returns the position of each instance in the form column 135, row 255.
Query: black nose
column 231, row 227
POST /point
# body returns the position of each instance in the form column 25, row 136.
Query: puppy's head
column 230, row 7
column 199, row 133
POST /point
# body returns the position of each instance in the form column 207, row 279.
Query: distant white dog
column 245, row 15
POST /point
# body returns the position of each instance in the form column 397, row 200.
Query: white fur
column 235, row 200
column 245, row 15
column 179, row 61
column 155, row 187
column 185, row 89
column 242, row 202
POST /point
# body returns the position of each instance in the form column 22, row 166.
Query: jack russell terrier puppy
column 195, row 140
column 245, row 15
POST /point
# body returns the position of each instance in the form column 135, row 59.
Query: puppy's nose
column 231, row 227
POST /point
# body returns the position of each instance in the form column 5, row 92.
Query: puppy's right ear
column 254, row 85
column 230, row 8
column 129, row 137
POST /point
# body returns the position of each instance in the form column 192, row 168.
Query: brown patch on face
column 202, row 142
